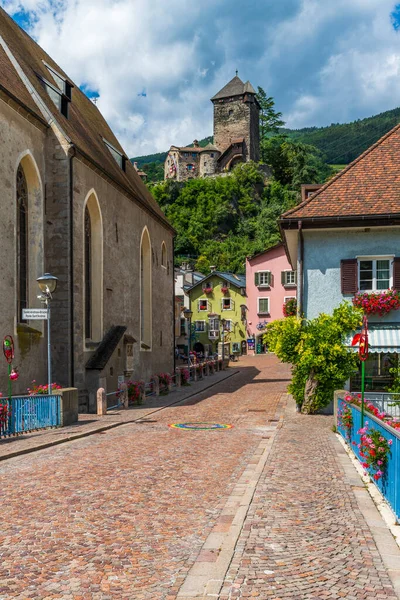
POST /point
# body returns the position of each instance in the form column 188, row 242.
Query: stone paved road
column 124, row 514
column 305, row 537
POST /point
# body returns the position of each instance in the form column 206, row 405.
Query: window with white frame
column 263, row 306
column 213, row 323
column 262, row 278
column 375, row 273
column 226, row 304
column 228, row 325
column 286, row 298
column 289, row 278
column 200, row 325
column 203, row 304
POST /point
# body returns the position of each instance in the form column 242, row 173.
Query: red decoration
column 362, row 340
column 8, row 348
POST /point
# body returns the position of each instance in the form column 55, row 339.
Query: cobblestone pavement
column 304, row 536
column 124, row 513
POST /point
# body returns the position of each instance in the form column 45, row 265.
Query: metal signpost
column 47, row 284
column 362, row 340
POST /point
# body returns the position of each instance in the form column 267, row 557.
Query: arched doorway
column 198, row 347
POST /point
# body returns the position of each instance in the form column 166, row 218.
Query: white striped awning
column 383, row 338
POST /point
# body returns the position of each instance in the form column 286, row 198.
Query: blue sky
column 155, row 64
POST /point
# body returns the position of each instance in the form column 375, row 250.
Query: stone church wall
column 21, row 140
column 123, row 223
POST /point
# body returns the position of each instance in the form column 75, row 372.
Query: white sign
column 34, row 314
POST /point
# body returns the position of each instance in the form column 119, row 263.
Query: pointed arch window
column 88, row 275
column 164, row 255
column 22, row 242
column 93, row 270
column 145, row 292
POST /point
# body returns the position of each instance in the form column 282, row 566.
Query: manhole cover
column 200, row 426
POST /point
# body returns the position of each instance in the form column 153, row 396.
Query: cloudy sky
column 155, row 63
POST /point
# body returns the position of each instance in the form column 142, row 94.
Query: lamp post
column 47, row 284
column 188, row 316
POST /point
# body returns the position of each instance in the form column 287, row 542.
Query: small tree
column 270, row 119
column 321, row 362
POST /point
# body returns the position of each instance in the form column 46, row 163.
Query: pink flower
column 380, row 462
column 390, row 442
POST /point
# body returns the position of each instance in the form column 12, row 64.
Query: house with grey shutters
column 344, row 239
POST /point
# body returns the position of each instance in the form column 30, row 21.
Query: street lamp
column 188, row 316
column 47, row 284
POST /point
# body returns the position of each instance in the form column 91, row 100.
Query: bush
column 321, row 362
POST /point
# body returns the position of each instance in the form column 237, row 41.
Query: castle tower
column 236, row 123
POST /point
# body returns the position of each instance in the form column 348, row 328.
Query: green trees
column 221, row 220
column 321, row 362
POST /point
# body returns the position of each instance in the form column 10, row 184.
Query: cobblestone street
column 126, row 513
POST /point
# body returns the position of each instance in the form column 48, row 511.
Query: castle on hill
column 236, row 136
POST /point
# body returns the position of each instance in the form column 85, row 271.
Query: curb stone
column 102, row 428
column 206, row 577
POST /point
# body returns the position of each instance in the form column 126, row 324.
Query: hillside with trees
column 339, row 143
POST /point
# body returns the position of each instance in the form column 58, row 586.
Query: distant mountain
column 339, row 143
column 342, row 143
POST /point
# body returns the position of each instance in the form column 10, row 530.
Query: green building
column 218, row 302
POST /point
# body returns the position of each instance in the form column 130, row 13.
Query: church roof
column 368, row 188
column 235, row 87
column 21, row 64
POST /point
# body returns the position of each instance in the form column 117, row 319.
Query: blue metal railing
column 389, row 484
column 30, row 413
column 384, row 401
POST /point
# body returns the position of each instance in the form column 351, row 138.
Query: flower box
column 380, row 303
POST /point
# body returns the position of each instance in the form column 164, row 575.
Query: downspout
column 71, row 263
column 300, row 267
column 173, row 299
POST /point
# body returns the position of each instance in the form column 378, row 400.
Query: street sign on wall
column 34, row 314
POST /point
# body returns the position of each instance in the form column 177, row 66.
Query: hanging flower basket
column 224, row 290
column 377, row 303
column 208, row 289
column 290, row 307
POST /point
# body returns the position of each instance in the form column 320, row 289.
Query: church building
column 236, row 136
column 73, row 205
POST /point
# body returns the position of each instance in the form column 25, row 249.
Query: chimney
column 135, row 165
column 196, row 143
column 213, row 268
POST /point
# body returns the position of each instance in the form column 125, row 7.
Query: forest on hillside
column 223, row 219
column 339, row 143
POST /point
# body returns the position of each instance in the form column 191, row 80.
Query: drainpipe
column 300, row 266
column 173, row 300
column 71, row 262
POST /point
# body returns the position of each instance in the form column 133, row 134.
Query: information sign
column 34, row 314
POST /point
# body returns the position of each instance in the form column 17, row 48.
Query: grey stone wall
column 123, row 223
column 21, row 139
column 237, row 118
column 208, row 163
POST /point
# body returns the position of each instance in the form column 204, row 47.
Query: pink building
column 270, row 282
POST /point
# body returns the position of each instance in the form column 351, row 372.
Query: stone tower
column 236, row 123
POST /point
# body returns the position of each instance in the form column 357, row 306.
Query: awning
column 381, row 338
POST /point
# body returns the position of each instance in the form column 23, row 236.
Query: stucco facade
column 210, row 308
column 323, row 251
column 90, row 222
column 276, row 286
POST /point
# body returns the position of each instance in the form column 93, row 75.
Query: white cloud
column 322, row 61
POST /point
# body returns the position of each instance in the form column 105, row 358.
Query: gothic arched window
column 163, row 255
column 22, row 242
column 93, row 269
column 88, row 275
column 145, row 292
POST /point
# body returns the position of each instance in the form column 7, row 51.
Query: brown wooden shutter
column 256, row 279
column 396, row 273
column 349, row 275
column 283, row 277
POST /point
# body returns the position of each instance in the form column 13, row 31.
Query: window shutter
column 232, row 304
column 208, row 306
column 349, row 275
column 295, row 277
column 256, row 279
column 396, row 273
column 269, row 277
column 283, row 277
